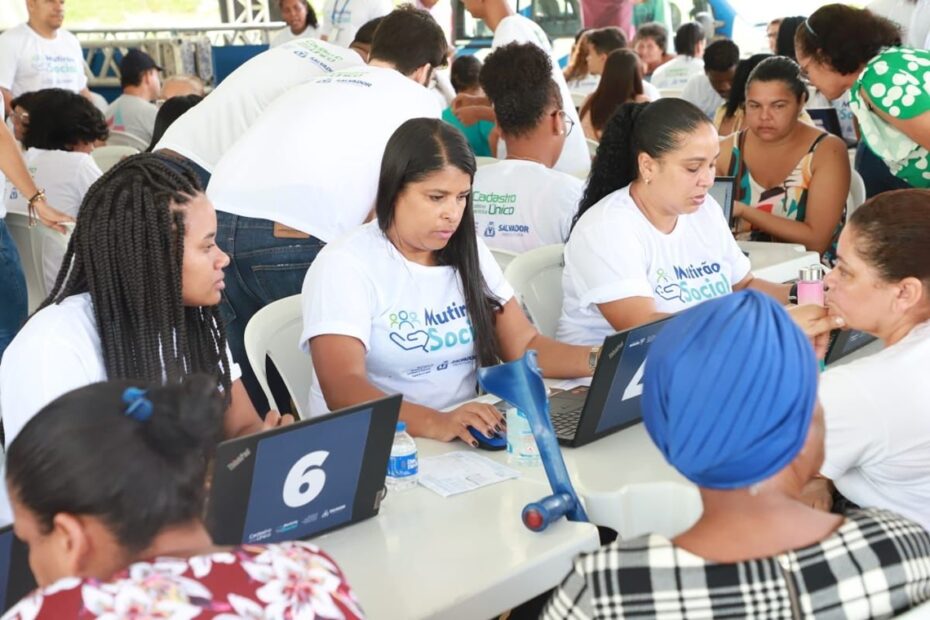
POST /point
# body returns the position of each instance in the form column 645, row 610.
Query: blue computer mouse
column 497, row 441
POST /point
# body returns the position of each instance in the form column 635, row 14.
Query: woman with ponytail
column 136, row 298
column 108, row 485
column 648, row 240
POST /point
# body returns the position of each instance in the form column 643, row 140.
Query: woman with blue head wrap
column 730, row 399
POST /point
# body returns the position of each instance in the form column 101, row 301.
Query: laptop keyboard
column 564, row 411
column 566, row 424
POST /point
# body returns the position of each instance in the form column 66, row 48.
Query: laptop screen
column 311, row 498
column 6, row 548
column 301, row 480
column 827, row 119
column 623, row 404
column 847, row 342
column 722, row 192
column 16, row 580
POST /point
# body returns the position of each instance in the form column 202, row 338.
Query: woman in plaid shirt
column 750, row 444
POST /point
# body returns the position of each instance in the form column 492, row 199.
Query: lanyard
column 340, row 12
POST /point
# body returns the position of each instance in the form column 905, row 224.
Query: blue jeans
column 262, row 269
column 875, row 173
column 14, row 306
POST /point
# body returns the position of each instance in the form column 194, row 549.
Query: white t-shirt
column 207, row 131
column 699, row 92
column 652, row 93
column 29, row 62
column 674, row 74
column 343, row 18
column 286, row 36
column 56, row 351
column 817, row 99
column 575, row 159
column 614, row 253
column 442, row 13
column 411, row 318
column 312, row 160
column 66, row 177
column 521, row 205
column 132, row 115
column 586, row 85
column 912, row 15
column 878, row 428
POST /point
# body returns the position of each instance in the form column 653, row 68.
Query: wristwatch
column 593, row 355
column 793, row 294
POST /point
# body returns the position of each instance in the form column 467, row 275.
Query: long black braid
column 127, row 251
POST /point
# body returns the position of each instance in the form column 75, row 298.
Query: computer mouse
column 497, row 441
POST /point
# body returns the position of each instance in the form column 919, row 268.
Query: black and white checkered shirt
column 875, row 565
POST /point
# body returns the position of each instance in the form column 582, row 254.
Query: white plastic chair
column 670, row 92
column 592, row 147
column 121, row 138
column 274, row 331
column 108, row 156
column 34, row 245
column 578, row 99
column 856, row 193
column 503, row 257
column 481, row 160
column 536, row 277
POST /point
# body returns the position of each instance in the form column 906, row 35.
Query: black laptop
column 722, row 191
column 304, row 479
column 844, row 342
column 584, row 414
column 827, row 119
column 16, row 580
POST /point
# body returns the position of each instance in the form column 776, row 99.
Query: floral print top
column 292, row 580
column 897, row 82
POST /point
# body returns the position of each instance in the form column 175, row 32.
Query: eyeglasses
column 569, row 123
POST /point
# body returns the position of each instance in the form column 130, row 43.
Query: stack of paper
column 457, row 472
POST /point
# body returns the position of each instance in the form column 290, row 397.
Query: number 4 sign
column 635, row 387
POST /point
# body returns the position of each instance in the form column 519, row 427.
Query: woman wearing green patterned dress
column 842, row 48
column 791, row 178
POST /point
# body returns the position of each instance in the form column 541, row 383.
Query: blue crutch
column 520, row 383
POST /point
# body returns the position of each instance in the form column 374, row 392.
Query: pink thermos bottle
column 810, row 286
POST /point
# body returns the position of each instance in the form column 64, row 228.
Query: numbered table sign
column 623, row 399
column 305, row 481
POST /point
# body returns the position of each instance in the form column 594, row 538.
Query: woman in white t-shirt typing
column 138, row 298
column 648, row 240
column 413, row 302
column 875, row 408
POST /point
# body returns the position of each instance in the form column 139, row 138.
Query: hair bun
column 186, row 418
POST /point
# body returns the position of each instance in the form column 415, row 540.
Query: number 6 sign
column 305, row 480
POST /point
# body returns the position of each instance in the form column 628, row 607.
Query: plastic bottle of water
column 403, row 466
column 521, row 444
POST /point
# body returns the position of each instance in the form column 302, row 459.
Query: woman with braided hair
column 137, row 298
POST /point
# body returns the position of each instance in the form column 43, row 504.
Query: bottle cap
column 401, row 427
column 813, row 273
